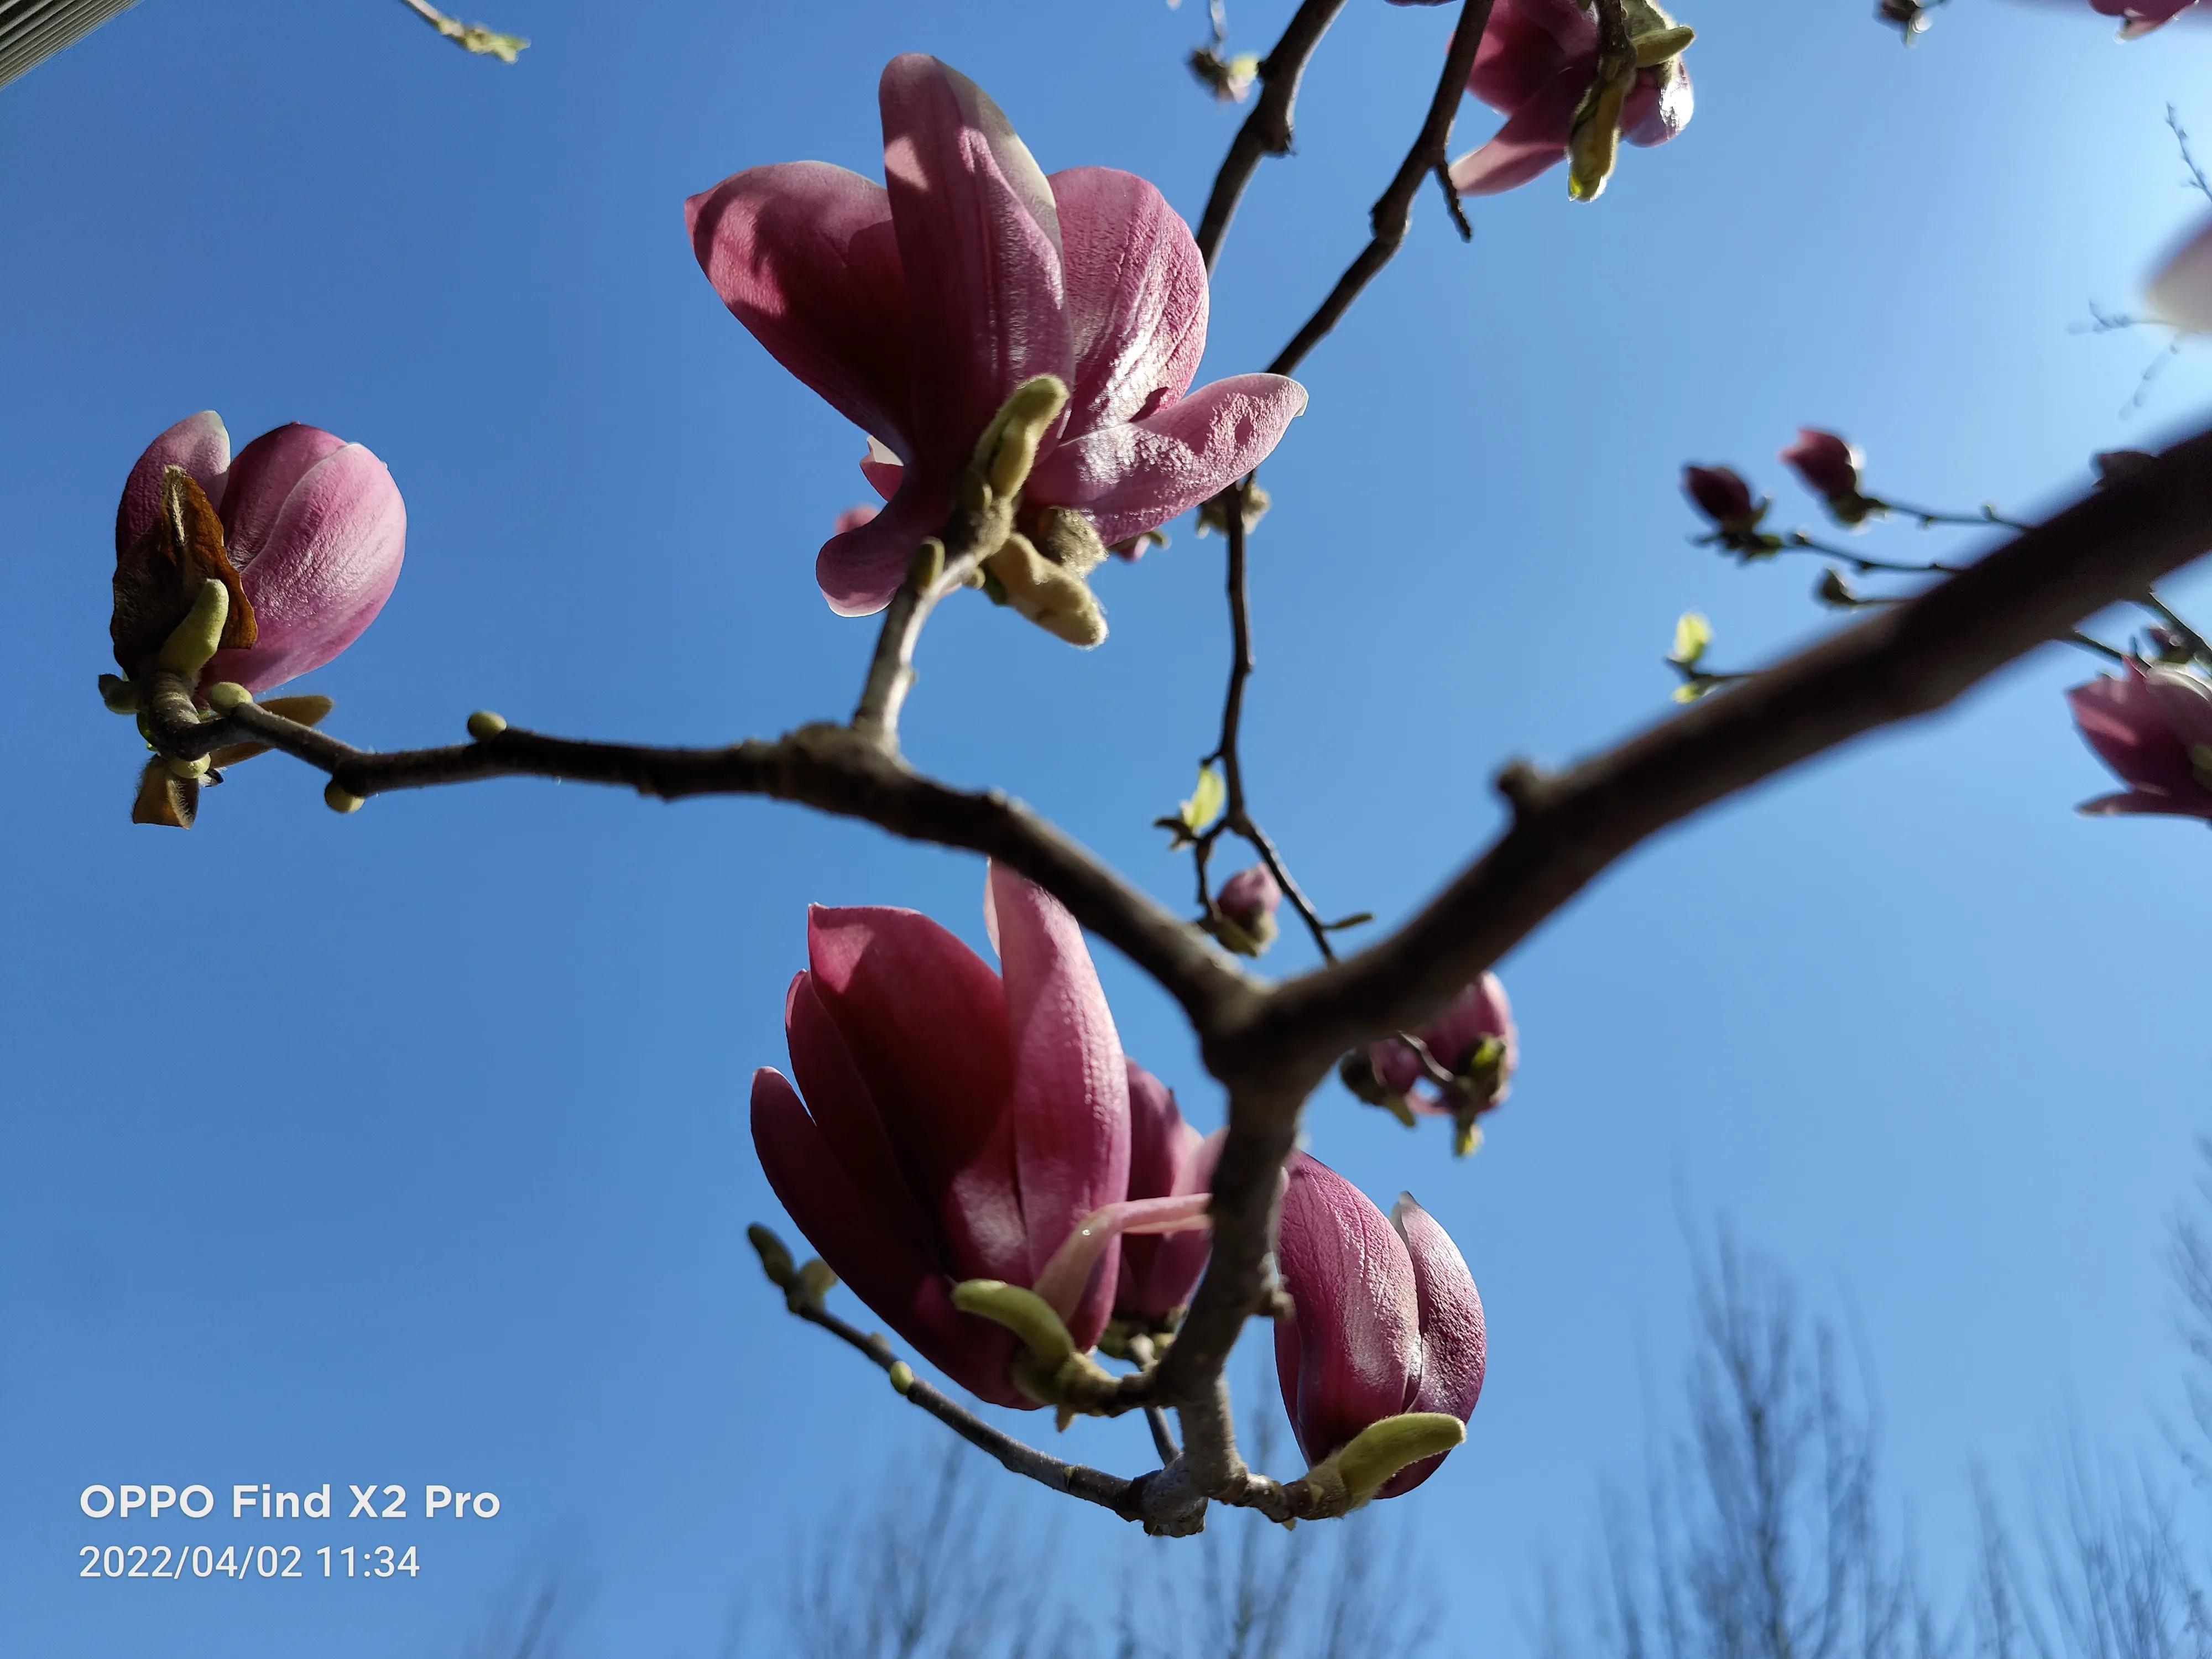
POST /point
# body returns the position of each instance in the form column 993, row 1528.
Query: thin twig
column 1093, row 1486
column 1267, row 129
column 972, row 536
column 1431, row 154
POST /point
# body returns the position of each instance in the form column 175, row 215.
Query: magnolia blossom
column 1829, row 466
column 1387, row 1318
column 1538, row 61
column 2141, row 16
column 916, row 309
column 1472, row 1038
column 2153, row 727
column 1721, row 494
column 958, row 1126
column 1168, row 1158
column 1243, row 917
column 314, row 526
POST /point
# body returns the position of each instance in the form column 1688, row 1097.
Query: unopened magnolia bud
column 341, row 800
column 927, row 568
column 1010, row 444
column 484, row 725
column 1380, row 1450
column 196, row 639
column 1023, row 1312
column 816, row 1280
column 775, row 1258
column 1834, row 592
column 902, row 1377
column 226, row 695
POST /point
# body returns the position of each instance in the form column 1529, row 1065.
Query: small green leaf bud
column 196, row 639
column 226, row 695
column 775, row 1258
column 120, row 696
column 903, row 1377
column 485, row 726
column 341, row 800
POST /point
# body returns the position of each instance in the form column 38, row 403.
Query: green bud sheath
column 1380, row 1450
column 1024, row 1313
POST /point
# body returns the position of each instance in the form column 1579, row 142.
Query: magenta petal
column 1660, row 105
column 2184, row 701
column 1352, row 1356
column 979, row 241
column 924, row 1019
column 804, row 256
column 1071, row 1084
column 1532, row 140
column 199, row 444
column 262, row 480
column 871, row 1257
column 845, row 1113
column 326, row 566
column 1166, row 1157
column 1136, row 296
column 2122, row 721
column 1453, row 1346
column 1520, row 55
column 1066, row 1276
column 1137, row 476
column 860, row 567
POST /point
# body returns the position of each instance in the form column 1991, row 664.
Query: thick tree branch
column 1431, row 156
column 831, row 768
column 1267, row 129
column 1906, row 661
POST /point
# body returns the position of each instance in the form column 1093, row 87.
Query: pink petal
column 1352, row 1355
column 2141, row 803
column 200, row 445
column 882, row 468
column 845, row 1113
column 1167, row 1158
column 324, row 570
column 860, row 567
column 924, row 1022
column 871, row 1257
column 2184, row 701
column 1522, row 53
column 1071, row 1083
column 1453, row 1347
column 1067, row 1275
column 1137, row 476
column 1533, row 140
column 262, row 480
column 2122, row 721
column 804, row 256
column 1136, row 296
column 979, row 239
column 1660, row 105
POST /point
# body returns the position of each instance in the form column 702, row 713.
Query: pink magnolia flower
column 915, row 310
column 1537, row 61
column 1168, row 1158
column 956, row 1125
column 1243, row 916
column 2139, row 17
column 1721, row 494
column 1457, row 1039
column 2153, row 727
column 1388, row 1320
column 1829, row 466
column 314, row 525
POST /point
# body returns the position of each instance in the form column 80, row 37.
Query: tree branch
column 1267, row 129
column 831, row 768
column 1393, row 209
column 1906, row 661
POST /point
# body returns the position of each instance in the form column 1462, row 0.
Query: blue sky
column 410, row 1146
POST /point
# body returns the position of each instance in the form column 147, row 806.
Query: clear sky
column 410, row 1146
